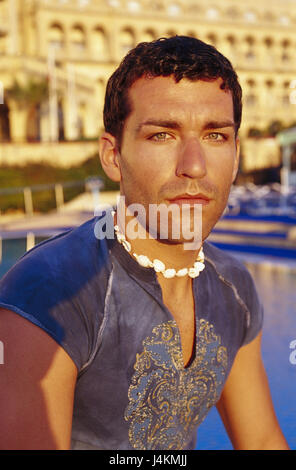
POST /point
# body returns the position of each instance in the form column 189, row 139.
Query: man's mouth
column 190, row 199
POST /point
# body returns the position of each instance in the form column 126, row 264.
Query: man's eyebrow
column 219, row 124
column 170, row 124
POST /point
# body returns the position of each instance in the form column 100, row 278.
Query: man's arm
column 37, row 382
column 245, row 405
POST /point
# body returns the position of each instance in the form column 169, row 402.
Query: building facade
column 73, row 46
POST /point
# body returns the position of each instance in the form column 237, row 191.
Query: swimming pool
column 278, row 294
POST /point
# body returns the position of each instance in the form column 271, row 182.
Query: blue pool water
column 277, row 290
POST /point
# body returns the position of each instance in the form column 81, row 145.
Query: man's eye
column 160, row 136
column 216, row 136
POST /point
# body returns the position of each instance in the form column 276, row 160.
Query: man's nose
column 191, row 161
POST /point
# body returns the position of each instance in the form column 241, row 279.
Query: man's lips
column 190, row 199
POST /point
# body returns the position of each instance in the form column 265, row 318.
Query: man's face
column 179, row 146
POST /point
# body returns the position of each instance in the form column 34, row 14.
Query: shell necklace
column 159, row 266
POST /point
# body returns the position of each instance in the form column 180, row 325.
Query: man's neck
column 173, row 255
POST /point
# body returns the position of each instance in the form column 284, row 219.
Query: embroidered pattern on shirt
column 167, row 401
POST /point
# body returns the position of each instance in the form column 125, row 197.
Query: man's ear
column 109, row 156
column 236, row 161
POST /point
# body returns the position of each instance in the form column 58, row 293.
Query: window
column 133, row 6
column 250, row 16
column 77, row 38
column 148, row 35
column 174, row 9
column 212, row 13
column 284, row 20
column 127, row 41
column 56, row 36
column 99, row 44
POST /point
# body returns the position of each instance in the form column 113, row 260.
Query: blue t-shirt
column 107, row 312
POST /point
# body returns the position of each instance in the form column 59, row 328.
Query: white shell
column 143, row 261
column 192, row 272
column 182, row 272
column 201, row 255
column 169, row 273
column 199, row 266
column 158, row 265
column 127, row 245
column 120, row 237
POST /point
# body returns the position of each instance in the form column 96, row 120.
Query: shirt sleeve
column 254, row 310
column 57, row 290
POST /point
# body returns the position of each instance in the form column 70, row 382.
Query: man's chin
column 194, row 243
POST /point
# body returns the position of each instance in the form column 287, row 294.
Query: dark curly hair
column 179, row 56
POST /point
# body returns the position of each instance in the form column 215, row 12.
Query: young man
column 127, row 342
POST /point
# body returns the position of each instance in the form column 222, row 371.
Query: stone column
column 90, row 118
column 70, row 106
column 44, row 123
column 18, row 115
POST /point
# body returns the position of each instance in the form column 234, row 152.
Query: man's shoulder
column 71, row 254
column 60, row 286
column 226, row 266
column 233, row 274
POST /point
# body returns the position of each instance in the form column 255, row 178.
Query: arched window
column 192, row 34
column 269, row 51
column 211, row 39
column 270, row 98
column 286, row 91
column 212, row 13
column 114, row 3
column 126, row 40
column 251, row 98
column 174, row 9
column 284, row 19
column 250, row 55
column 77, row 39
column 170, row 33
column 56, row 37
column 230, row 45
column 250, row 16
column 3, row 43
column 286, row 51
column 99, row 44
column 148, row 35
column 133, row 6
